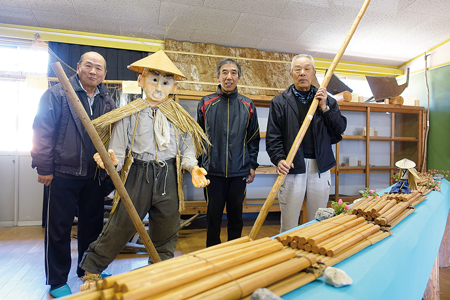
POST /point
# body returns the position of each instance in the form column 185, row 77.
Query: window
column 19, row 102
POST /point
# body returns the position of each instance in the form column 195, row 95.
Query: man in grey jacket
column 63, row 156
column 308, row 177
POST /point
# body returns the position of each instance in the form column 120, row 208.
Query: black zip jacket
column 231, row 124
column 283, row 125
column 60, row 142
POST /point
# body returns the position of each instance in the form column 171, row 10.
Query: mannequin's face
column 157, row 86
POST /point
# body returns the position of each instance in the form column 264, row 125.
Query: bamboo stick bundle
column 417, row 201
column 422, row 189
column 333, row 231
column 210, row 282
column 181, row 260
column 324, row 248
column 305, row 236
column 303, row 253
column 355, row 206
column 293, row 244
column 289, row 236
column 316, row 248
column 391, row 214
column 298, row 280
column 294, row 282
column 427, row 191
column 414, row 198
column 368, row 208
column 241, row 240
column 379, row 205
column 400, row 217
column 108, row 294
column 364, row 205
column 307, row 247
column 368, row 241
column 246, row 285
column 169, row 279
column 352, row 241
column 133, row 290
column 387, row 207
column 406, row 197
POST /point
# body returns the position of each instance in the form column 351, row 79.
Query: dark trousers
column 152, row 188
column 220, row 192
column 68, row 197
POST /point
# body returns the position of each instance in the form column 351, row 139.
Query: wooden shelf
column 379, row 138
column 407, row 131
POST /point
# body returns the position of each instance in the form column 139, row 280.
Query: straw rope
column 171, row 109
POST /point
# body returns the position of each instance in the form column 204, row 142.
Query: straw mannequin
column 408, row 177
column 161, row 138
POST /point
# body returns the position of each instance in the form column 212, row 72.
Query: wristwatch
column 326, row 109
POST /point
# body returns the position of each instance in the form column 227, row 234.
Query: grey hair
column 82, row 58
column 302, row 55
column 225, row 61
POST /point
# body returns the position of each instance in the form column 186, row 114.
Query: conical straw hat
column 405, row 164
column 158, row 61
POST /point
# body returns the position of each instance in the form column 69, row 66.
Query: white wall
column 21, row 196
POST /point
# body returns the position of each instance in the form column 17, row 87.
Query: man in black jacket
column 230, row 121
column 308, row 176
column 63, row 156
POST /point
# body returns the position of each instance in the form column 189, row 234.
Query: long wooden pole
column 298, row 139
column 73, row 98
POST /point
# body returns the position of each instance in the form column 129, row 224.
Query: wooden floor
column 22, row 257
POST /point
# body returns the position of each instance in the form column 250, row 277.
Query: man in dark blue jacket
column 63, row 156
column 308, row 176
column 230, row 121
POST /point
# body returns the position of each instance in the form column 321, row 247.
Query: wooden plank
column 444, row 250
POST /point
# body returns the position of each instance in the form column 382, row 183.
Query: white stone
column 264, row 294
column 336, row 277
column 324, row 213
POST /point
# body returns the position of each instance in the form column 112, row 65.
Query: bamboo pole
column 417, row 201
column 298, row 280
column 145, row 288
column 289, row 236
column 73, row 98
column 129, row 283
column 351, row 241
column 304, row 237
column 334, row 231
column 85, row 295
column 324, row 248
column 370, row 240
column 394, row 212
column 403, row 215
column 246, row 285
column 316, row 248
column 280, row 179
column 210, row 282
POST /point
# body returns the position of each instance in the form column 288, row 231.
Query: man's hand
column 99, row 160
column 283, row 167
column 251, row 177
column 198, row 177
column 322, row 95
column 45, row 179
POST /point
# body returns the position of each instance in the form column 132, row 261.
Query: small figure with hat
column 407, row 177
column 159, row 138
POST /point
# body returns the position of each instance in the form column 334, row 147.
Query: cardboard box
column 353, row 161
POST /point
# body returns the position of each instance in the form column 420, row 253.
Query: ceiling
column 390, row 33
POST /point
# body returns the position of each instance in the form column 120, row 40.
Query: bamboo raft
column 385, row 209
column 235, row 269
column 232, row 270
